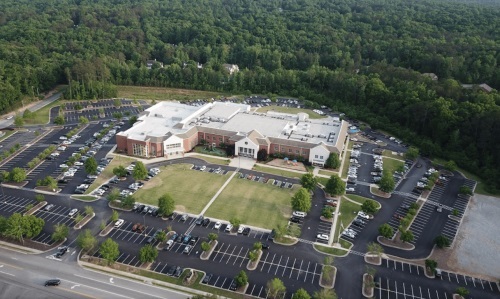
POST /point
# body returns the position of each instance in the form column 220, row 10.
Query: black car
column 265, row 246
column 193, row 240
column 88, row 181
column 114, row 181
column 53, row 282
column 207, row 278
column 105, row 187
column 295, row 219
column 358, row 222
column 179, row 238
column 205, row 222
column 155, row 212
column 271, row 235
column 174, row 236
column 199, row 221
column 61, row 252
column 233, row 286
column 246, row 231
column 79, row 191
column 171, row 271
column 405, row 207
column 140, row 208
column 178, row 272
column 63, row 181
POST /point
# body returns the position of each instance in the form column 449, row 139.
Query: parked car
column 205, row 222
column 217, row 225
column 119, row 223
column 187, row 249
column 323, row 237
column 363, row 215
column 240, row 229
column 229, row 227
column 184, row 217
column 49, row 207
column 199, row 221
column 72, row 212
column 207, row 278
column 246, row 231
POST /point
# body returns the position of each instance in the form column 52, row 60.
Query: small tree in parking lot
column 114, row 216
column 148, row 254
column 301, row 294
column 412, row 153
column 161, row 236
column 90, row 165
column 369, row 206
column 335, row 186
column 301, row 200
column 241, row 279
column 327, row 212
column 109, row 250
column 128, row 202
column 442, row 241
column 465, row 190
column 387, row 183
column 406, row 236
column 212, row 236
column 140, row 172
column 120, row 171
column 61, row 231
column 205, row 246
column 86, row 241
column 18, row 174
column 39, row 197
column 462, row 291
column 385, row 230
column 308, row 181
column 166, row 205
column 235, row 222
column 431, row 265
column 253, row 255
column 89, row 210
column 257, row 246
column 113, row 195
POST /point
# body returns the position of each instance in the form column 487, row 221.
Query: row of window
column 139, row 150
column 297, row 152
column 174, row 145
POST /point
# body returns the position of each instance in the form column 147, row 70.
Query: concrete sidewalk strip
column 218, row 192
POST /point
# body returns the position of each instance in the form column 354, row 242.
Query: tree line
column 362, row 58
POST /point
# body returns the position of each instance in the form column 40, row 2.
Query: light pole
column 144, row 217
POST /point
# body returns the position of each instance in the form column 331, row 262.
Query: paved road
column 22, row 274
column 4, row 123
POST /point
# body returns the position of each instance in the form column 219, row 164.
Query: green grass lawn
column 322, row 181
column 190, row 189
column 346, row 164
column 348, row 212
column 256, row 204
column 361, row 199
column 281, row 172
column 213, row 160
column 164, row 94
column 391, row 164
column 328, row 173
column 480, row 187
column 41, row 116
column 388, row 153
column 107, row 173
column 290, row 110
column 330, row 250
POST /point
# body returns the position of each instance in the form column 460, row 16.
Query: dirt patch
column 287, row 164
column 475, row 251
column 180, row 208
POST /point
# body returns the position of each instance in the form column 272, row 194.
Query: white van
column 299, row 214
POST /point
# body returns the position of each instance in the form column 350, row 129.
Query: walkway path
column 218, row 192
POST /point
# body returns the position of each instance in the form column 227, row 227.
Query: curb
column 373, row 255
column 249, row 267
column 209, row 252
column 334, row 278
column 82, row 223
column 363, row 288
column 18, row 248
column 393, row 246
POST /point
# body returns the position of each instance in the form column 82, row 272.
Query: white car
column 324, row 237
column 63, row 166
column 240, row 229
column 229, row 227
column 119, row 223
column 125, row 192
column 363, row 215
column 217, row 225
column 78, row 163
column 83, row 187
column 63, row 138
column 72, row 212
column 350, row 189
column 69, row 173
column 100, row 191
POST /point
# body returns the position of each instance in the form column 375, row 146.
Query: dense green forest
column 365, row 58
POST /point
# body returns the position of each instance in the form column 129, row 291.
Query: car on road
column 229, row 227
column 52, row 282
column 207, row 278
column 119, row 223
column 439, row 208
column 217, row 225
column 49, row 207
column 324, row 237
column 72, row 212
column 61, row 251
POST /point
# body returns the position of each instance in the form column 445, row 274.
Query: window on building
column 289, row 150
column 321, row 157
column 276, row 148
column 316, row 156
column 220, row 139
column 173, row 145
column 140, row 150
column 297, row 152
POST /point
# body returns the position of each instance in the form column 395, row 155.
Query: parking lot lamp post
column 144, row 217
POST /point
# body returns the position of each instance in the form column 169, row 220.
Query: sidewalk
column 218, row 192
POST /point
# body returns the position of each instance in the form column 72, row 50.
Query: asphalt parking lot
column 412, row 283
column 18, row 137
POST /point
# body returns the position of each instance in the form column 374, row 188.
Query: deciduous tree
column 109, row 250
column 308, row 181
column 301, row 200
